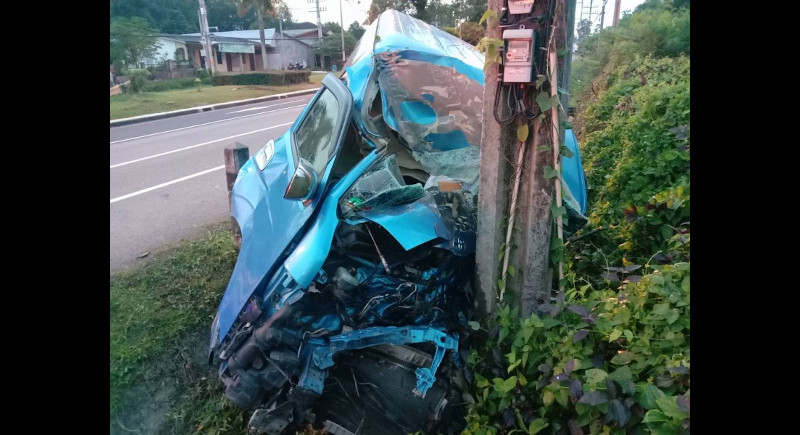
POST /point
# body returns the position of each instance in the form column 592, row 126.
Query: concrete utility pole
column 341, row 23
column 603, row 14
column 563, row 73
column 319, row 37
column 210, row 61
column 496, row 147
column 590, row 10
column 280, row 27
column 531, row 285
column 261, row 36
column 616, row 12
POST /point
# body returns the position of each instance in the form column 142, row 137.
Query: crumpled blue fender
column 411, row 224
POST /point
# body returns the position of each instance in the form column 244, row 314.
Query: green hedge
column 170, row 84
column 263, row 78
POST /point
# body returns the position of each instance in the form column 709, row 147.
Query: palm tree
column 261, row 7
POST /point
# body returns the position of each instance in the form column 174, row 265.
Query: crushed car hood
column 431, row 92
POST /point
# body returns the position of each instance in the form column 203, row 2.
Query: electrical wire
column 497, row 118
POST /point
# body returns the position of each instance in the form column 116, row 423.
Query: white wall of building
column 166, row 51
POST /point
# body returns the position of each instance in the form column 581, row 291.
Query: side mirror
column 303, row 183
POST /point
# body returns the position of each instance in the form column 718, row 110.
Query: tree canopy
column 331, row 45
column 132, row 41
column 331, row 26
column 437, row 12
column 356, row 30
column 180, row 16
column 167, row 16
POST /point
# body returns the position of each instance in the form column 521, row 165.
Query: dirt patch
column 151, row 404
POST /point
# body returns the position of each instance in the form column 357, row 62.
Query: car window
column 353, row 149
column 315, row 137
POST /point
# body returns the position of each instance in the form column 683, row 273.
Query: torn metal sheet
column 439, row 119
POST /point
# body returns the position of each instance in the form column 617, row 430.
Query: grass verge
column 159, row 318
column 128, row 105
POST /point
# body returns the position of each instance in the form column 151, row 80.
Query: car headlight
column 264, row 155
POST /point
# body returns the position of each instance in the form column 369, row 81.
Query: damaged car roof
column 427, row 85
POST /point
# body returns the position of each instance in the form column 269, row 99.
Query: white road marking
column 205, row 123
column 248, row 110
column 262, row 107
column 139, row 192
column 198, row 145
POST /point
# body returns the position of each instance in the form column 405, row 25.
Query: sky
column 597, row 6
column 353, row 10
column 356, row 10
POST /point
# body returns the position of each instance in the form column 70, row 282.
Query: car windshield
column 314, row 137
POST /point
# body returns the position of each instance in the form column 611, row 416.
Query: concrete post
column 530, row 239
column 235, row 157
column 493, row 191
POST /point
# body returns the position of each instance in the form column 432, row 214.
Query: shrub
column 263, row 78
column 615, row 361
column 636, row 153
column 295, row 77
column 203, row 74
column 169, row 84
column 138, row 78
column 219, row 80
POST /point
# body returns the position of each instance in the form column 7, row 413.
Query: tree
column 132, row 41
column 419, row 9
column 262, row 7
column 379, row 6
column 331, row 26
column 224, row 15
column 468, row 10
column 331, row 45
column 584, row 30
column 356, row 30
column 471, row 32
column 168, row 16
column 440, row 14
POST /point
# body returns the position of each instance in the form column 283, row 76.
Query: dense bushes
column 658, row 29
column 170, row 84
column 636, row 155
column 633, row 125
column 263, row 78
column 615, row 361
column 614, row 358
column 138, row 78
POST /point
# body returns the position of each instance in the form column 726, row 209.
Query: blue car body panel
column 572, row 170
column 307, row 258
column 268, row 221
column 411, row 224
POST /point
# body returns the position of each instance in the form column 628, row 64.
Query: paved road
column 167, row 177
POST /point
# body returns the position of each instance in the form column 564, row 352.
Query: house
column 169, row 47
column 240, row 50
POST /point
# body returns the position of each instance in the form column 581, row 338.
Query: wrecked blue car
column 353, row 285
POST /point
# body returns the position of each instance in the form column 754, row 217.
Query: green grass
column 128, row 105
column 155, row 306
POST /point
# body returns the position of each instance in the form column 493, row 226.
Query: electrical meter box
column 516, row 7
column 519, row 56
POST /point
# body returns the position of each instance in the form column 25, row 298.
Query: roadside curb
column 162, row 115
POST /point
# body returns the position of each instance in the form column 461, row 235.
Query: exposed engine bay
column 392, row 315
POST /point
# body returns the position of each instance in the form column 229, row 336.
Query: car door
column 269, row 211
